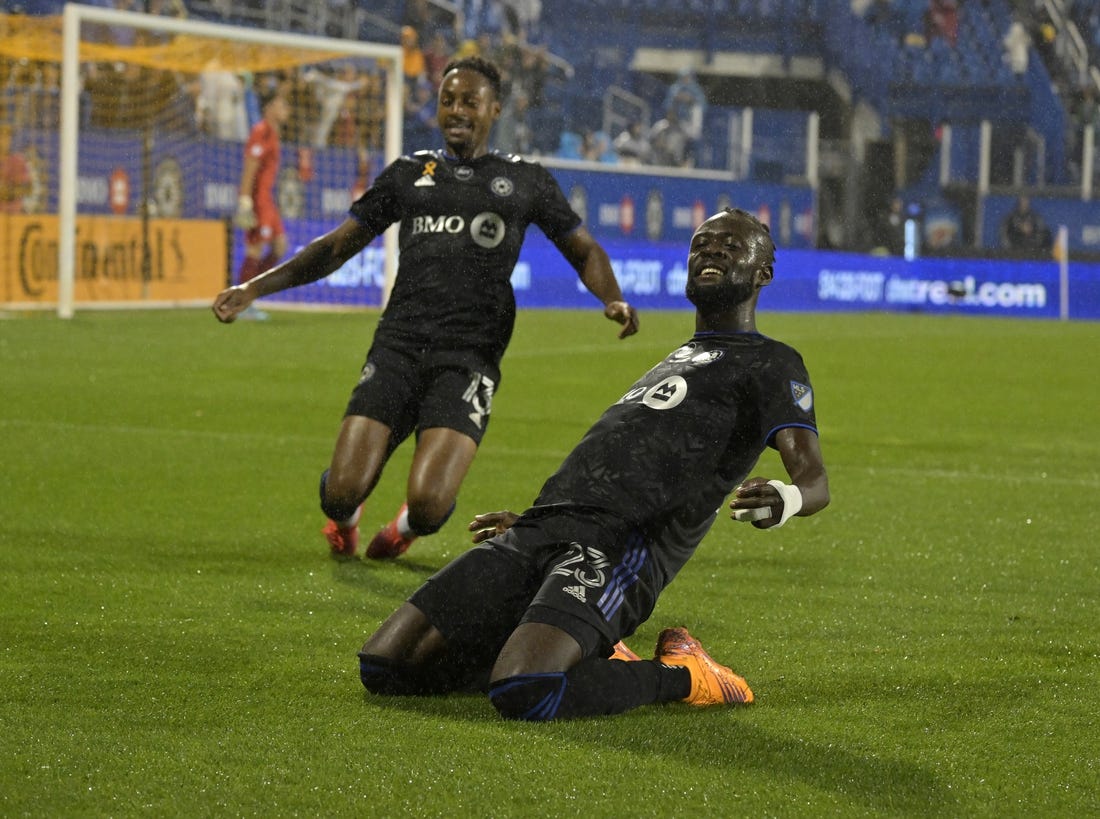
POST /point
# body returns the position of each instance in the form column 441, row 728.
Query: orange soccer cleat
column 343, row 542
column 389, row 542
column 711, row 683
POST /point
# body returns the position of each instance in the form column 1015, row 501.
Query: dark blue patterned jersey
column 665, row 456
column 462, row 225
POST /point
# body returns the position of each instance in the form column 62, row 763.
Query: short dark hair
column 486, row 68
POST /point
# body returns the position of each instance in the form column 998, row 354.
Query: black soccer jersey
column 462, row 225
column 666, row 455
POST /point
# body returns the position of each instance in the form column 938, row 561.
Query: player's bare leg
column 440, row 463
column 398, row 657
column 357, row 460
column 405, row 636
column 536, row 648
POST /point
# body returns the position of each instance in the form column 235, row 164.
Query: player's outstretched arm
column 594, row 268
column 313, row 262
column 770, row 503
column 491, row 523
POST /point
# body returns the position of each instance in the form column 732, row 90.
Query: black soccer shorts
column 410, row 390
column 596, row 583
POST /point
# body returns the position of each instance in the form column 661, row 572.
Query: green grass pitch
column 175, row 641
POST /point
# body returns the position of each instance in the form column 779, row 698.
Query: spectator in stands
column 437, row 54
column 468, row 48
column 885, row 15
column 535, row 71
column 686, row 98
column 631, row 145
column 482, row 16
column 370, row 110
column 590, row 151
column 889, row 233
column 521, row 18
column 1088, row 113
column 257, row 209
column 1017, row 46
column 331, row 90
column 418, row 15
column 1045, row 39
column 420, row 113
column 15, row 174
column 413, row 63
column 942, row 20
column 596, row 147
column 220, row 109
column 1084, row 112
column 302, row 102
column 47, row 103
column 513, row 132
column 345, row 131
column 1025, row 230
column 509, row 56
column 668, row 141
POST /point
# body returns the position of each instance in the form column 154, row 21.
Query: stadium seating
column 924, row 77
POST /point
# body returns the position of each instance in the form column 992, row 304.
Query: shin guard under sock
column 592, row 687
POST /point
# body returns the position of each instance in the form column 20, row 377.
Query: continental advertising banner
column 186, row 260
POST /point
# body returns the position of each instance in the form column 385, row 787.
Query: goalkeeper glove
column 245, row 217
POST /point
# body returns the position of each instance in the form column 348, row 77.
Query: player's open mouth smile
column 709, row 272
column 457, row 127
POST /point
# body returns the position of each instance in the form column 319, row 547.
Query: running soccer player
column 434, row 363
column 539, row 609
column 257, row 211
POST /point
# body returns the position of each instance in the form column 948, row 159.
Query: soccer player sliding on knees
column 434, row 363
column 540, row 607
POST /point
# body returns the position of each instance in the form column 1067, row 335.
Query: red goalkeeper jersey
column 263, row 145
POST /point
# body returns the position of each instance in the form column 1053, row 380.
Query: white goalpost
column 182, row 178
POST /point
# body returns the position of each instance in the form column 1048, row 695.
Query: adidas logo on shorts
column 576, row 591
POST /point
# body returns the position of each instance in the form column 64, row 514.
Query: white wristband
column 244, row 202
column 792, row 501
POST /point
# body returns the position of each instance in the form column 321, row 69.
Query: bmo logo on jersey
column 486, row 229
column 668, row 393
column 437, row 224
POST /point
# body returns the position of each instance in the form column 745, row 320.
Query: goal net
column 123, row 136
